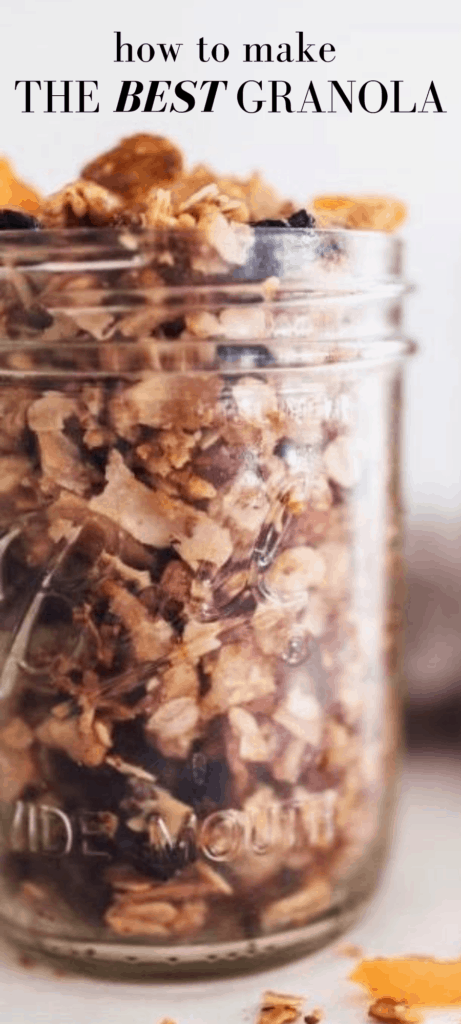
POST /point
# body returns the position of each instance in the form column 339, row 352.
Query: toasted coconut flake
column 151, row 638
column 339, row 462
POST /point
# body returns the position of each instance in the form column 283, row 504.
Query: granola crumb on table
column 191, row 649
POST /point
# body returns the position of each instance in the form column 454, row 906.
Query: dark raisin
column 301, row 219
column 161, row 863
column 82, row 788
column 173, row 328
column 329, row 249
column 337, row 492
column 203, row 782
column 269, row 223
column 131, row 744
column 14, row 220
column 248, row 356
column 219, row 464
column 34, row 318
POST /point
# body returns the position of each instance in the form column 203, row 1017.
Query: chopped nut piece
column 273, row 627
column 174, row 717
column 255, row 400
column 244, row 323
column 238, row 677
column 204, row 324
column 314, row 1017
column 159, row 402
column 138, row 576
column 14, row 471
column 350, row 949
column 253, row 746
column 180, row 679
column 279, row 1009
column 287, row 766
column 158, row 209
column 337, row 560
column 50, row 412
column 61, row 463
column 151, row 917
column 294, row 571
column 78, row 203
column 245, row 505
column 393, row 1011
column 301, row 715
column 339, row 463
column 200, row 638
column 232, row 241
column 208, row 542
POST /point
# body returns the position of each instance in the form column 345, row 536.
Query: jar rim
column 319, row 259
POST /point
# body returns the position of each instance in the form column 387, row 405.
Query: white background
column 414, row 156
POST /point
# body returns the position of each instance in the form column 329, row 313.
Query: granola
column 277, row 1008
column 188, row 635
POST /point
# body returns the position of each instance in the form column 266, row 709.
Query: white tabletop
column 416, row 911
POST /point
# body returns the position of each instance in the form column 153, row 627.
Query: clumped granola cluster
column 183, row 751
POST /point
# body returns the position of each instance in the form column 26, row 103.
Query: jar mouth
column 313, row 259
column 288, row 297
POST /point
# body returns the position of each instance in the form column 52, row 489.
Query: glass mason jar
column 201, row 591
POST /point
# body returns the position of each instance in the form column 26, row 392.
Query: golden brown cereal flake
column 81, row 203
column 278, row 1008
column 393, row 1010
